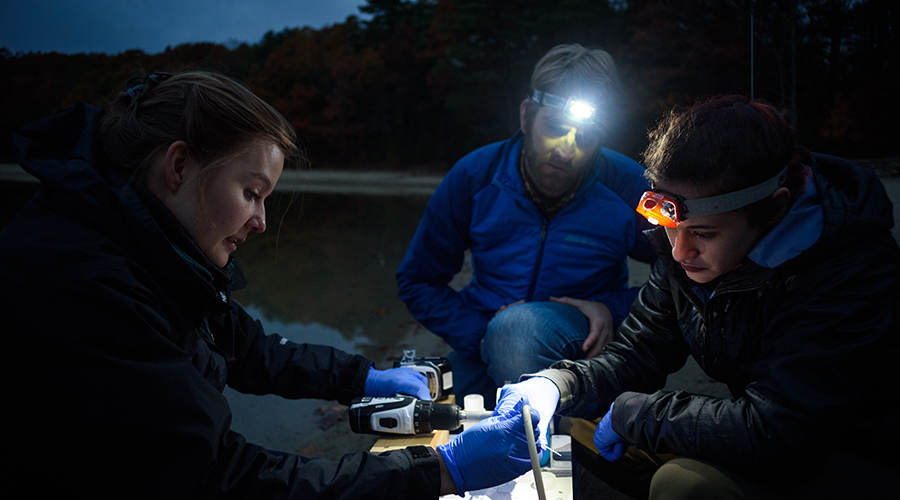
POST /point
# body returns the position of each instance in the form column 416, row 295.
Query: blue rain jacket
column 517, row 254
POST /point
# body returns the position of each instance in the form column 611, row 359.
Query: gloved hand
column 401, row 380
column 490, row 452
column 610, row 445
column 539, row 393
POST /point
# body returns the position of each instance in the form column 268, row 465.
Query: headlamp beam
column 578, row 110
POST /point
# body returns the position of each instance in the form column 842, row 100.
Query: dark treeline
column 423, row 82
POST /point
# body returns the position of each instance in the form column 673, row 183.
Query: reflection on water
column 331, row 260
column 324, row 273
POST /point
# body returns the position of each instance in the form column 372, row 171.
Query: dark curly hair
column 724, row 144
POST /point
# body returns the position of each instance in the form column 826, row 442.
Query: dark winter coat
column 808, row 348
column 120, row 338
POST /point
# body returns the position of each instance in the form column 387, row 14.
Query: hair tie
column 134, row 88
column 141, row 84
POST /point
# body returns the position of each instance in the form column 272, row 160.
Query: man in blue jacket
column 549, row 219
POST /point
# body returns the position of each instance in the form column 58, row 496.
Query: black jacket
column 808, row 348
column 119, row 346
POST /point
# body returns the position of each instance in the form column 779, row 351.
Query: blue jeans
column 522, row 339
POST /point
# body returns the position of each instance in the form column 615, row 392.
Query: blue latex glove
column 610, row 445
column 491, row 452
column 539, row 393
column 396, row 380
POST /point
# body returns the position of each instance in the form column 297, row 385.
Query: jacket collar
column 61, row 152
column 747, row 276
column 185, row 246
column 797, row 232
column 169, row 248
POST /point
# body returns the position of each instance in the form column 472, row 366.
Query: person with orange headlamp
column 668, row 209
column 779, row 275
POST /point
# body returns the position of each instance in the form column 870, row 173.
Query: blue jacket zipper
column 537, row 265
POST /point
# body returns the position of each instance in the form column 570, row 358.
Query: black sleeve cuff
column 425, row 471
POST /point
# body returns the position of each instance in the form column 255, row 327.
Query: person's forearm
column 448, row 487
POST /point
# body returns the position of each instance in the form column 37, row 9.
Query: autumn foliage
column 413, row 85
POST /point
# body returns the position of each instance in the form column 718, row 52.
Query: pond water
column 330, row 261
column 324, row 273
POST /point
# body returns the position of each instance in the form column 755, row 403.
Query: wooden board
column 388, row 443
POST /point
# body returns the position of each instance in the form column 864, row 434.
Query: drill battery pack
column 437, row 371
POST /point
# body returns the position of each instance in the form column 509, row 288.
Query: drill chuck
column 406, row 415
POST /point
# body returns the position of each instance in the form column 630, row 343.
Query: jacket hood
column 842, row 203
column 854, row 201
column 800, row 228
column 60, row 151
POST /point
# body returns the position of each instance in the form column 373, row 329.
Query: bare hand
column 601, row 331
column 508, row 305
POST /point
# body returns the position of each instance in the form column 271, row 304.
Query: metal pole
column 751, row 52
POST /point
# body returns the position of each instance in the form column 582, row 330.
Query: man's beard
column 531, row 159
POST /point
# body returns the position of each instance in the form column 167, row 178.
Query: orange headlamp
column 660, row 208
column 668, row 209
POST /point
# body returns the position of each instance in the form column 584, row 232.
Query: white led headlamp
column 578, row 110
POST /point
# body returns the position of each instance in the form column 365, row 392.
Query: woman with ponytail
column 115, row 296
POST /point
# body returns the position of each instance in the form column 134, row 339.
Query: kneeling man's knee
column 684, row 478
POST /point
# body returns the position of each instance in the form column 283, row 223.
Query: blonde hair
column 573, row 70
column 576, row 71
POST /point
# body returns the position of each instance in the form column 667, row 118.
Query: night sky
column 113, row 26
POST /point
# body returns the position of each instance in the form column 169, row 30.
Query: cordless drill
column 401, row 414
